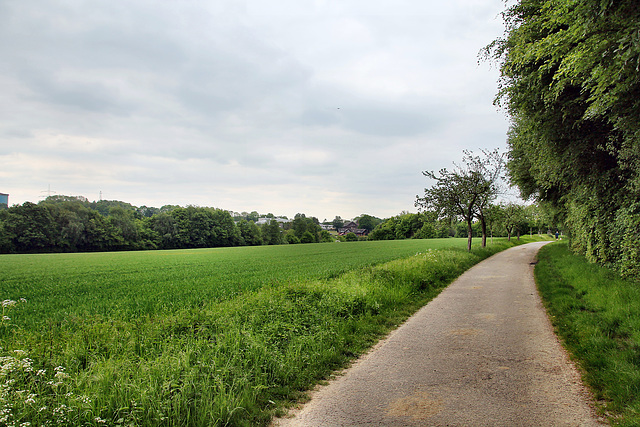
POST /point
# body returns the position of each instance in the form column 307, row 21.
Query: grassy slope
column 597, row 314
column 233, row 358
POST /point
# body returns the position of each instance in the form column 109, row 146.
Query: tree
column 384, row 231
column 455, row 193
column 165, row 226
column 302, row 225
column 250, row 233
column 512, row 218
column 368, row 222
column 30, row 228
column 570, row 81
column 325, row 236
column 490, row 166
column 337, row 223
column 272, row 233
column 351, row 237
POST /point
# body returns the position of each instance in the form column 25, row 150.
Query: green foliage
column 209, row 336
column 272, row 233
column 595, row 311
column 337, row 223
column 456, row 194
column 513, row 219
column 291, row 238
column 351, row 237
column 325, row 237
column 367, row 222
column 571, row 82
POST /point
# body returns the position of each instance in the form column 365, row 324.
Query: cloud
column 325, row 108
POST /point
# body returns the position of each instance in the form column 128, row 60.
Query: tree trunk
column 483, row 224
column 469, row 234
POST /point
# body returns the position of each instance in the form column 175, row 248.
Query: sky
column 322, row 107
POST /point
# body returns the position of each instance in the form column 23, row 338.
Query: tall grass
column 235, row 358
column 597, row 314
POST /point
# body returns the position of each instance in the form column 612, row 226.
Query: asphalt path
column 483, row 353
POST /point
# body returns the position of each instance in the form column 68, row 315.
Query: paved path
column 483, row 353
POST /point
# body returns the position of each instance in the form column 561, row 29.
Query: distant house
column 280, row 221
column 352, row 227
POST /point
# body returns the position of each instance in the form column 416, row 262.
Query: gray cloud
column 327, row 108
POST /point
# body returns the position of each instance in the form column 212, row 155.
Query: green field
column 202, row 337
column 595, row 312
column 133, row 284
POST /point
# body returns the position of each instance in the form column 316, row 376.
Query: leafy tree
column 165, row 226
column 384, row 231
column 30, row 228
column 272, row 233
column 308, row 237
column 368, row 222
column 490, row 166
column 325, row 236
column 337, row 223
column 124, row 220
column 571, row 84
column 513, row 219
column 250, row 233
column 351, row 237
column 302, row 225
column 455, row 193
column 291, row 238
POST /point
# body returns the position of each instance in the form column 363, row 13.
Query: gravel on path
column 483, row 353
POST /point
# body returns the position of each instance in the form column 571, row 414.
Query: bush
column 351, row 237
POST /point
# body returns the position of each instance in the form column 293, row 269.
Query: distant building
column 4, row 201
column 352, row 227
column 280, row 221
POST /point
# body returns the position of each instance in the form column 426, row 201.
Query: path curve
column 483, row 353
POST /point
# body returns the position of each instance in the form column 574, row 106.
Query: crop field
column 226, row 336
column 133, row 284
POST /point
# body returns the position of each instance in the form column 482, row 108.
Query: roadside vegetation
column 595, row 312
column 570, row 83
column 202, row 337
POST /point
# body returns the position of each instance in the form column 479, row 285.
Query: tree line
column 74, row 224
column 504, row 220
column 570, row 81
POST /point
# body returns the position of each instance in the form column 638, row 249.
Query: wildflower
column 61, row 375
column 100, row 420
column 6, row 318
column 8, row 303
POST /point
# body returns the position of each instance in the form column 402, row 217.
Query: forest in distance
column 74, row 224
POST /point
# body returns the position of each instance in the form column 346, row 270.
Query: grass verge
column 597, row 315
column 237, row 361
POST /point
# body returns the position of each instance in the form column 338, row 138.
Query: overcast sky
column 324, row 107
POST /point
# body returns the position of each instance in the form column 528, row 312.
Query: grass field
column 597, row 314
column 201, row 337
